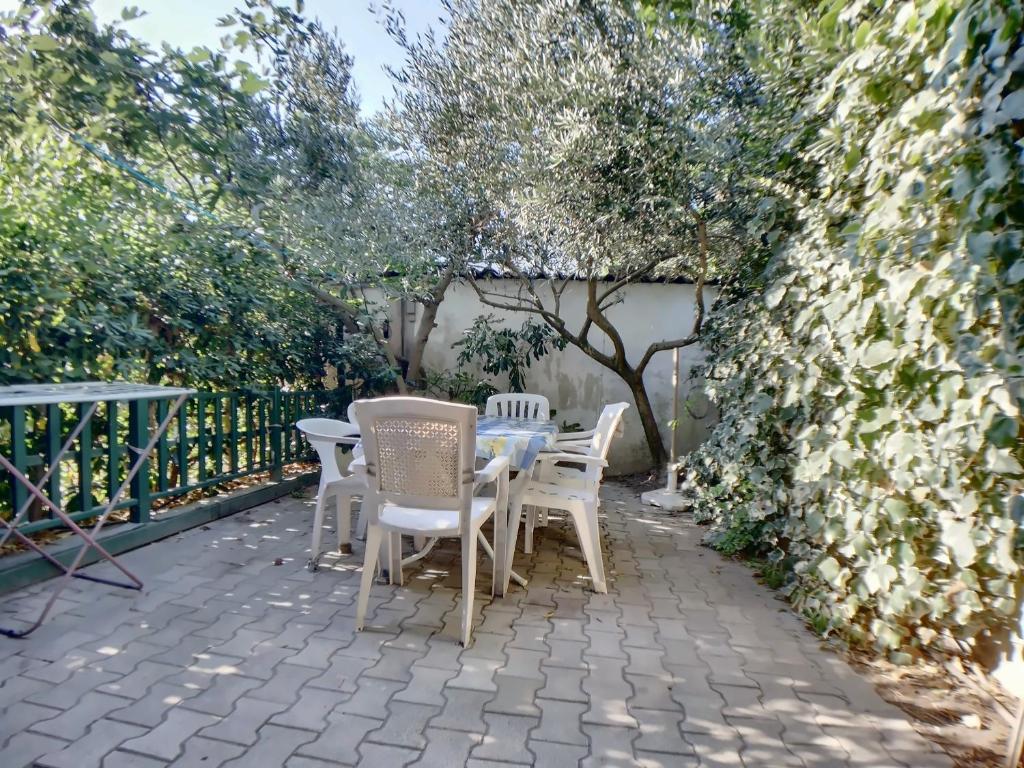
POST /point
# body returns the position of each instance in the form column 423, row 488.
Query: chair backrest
column 324, row 435
column 517, row 405
column 419, row 453
column 607, row 427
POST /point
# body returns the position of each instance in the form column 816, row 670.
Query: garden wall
column 576, row 385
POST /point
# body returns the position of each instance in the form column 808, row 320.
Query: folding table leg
column 90, row 536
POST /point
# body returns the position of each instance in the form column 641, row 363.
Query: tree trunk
column 647, row 418
column 428, row 322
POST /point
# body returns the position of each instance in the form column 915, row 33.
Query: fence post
column 276, row 435
column 138, row 438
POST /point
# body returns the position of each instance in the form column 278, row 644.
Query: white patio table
column 91, row 393
column 521, row 440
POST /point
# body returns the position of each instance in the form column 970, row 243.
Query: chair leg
column 318, row 531
column 395, row 558
column 361, row 523
column 374, row 537
column 590, row 542
column 468, row 585
column 531, row 522
column 344, row 512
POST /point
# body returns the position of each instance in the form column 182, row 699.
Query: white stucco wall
column 576, row 385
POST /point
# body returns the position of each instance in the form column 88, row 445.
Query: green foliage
column 870, row 395
column 499, row 349
column 105, row 273
column 459, row 387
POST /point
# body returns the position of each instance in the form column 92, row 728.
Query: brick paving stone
column 74, row 723
column 610, row 747
column 317, row 653
column 560, row 722
column 301, row 761
column 660, row 760
column 608, row 692
column 274, row 746
column 523, row 663
column 477, row 674
column 515, row 695
column 660, row 732
column 137, row 684
column 342, row 674
column 165, row 741
column 241, row 726
column 505, row 739
column 284, row 686
column 103, row 737
column 25, row 748
column 447, row 748
column 220, row 697
column 463, row 711
column 151, row 709
column 395, row 664
column 381, row 755
column 443, row 654
column 119, row 759
column 371, row 698
column 310, row 711
column 20, row 717
column 426, row 686
column 551, row 755
column 563, row 684
column 242, row 643
column 339, row 741
column 200, row 752
column 475, row 763
column 404, row 727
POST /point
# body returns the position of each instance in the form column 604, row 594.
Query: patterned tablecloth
column 519, row 439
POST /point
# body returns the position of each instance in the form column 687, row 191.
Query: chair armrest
column 583, row 447
column 353, row 440
column 495, row 467
column 570, row 436
column 574, row 458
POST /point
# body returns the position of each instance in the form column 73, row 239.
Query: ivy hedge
column 870, row 435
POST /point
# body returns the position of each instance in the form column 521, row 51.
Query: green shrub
column 870, row 396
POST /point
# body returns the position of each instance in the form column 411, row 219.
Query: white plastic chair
column 576, row 491
column 420, row 460
column 325, row 435
column 517, row 405
column 566, row 442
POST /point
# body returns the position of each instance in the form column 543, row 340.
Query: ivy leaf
column 957, row 536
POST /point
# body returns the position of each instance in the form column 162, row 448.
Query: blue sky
column 188, row 23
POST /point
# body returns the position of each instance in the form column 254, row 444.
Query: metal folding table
column 90, row 394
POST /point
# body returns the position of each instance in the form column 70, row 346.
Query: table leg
column 90, row 536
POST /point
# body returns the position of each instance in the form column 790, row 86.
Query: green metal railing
column 216, row 438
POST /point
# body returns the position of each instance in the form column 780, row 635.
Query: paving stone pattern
column 226, row 659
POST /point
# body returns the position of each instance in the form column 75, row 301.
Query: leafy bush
column 459, row 387
column 501, row 350
column 870, row 396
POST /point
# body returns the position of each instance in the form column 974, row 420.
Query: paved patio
column 229, row 659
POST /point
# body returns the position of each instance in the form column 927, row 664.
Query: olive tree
column 595, row 146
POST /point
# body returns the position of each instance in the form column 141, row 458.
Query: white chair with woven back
column 325, row 435
column 570, row 480
column 420, row 458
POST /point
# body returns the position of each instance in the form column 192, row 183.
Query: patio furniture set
column 415, row 465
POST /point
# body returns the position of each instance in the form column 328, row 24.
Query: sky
column 188, row 23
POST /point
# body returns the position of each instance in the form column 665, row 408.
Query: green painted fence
column 217, row 437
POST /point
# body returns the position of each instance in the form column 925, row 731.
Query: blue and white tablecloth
column 519, row 439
